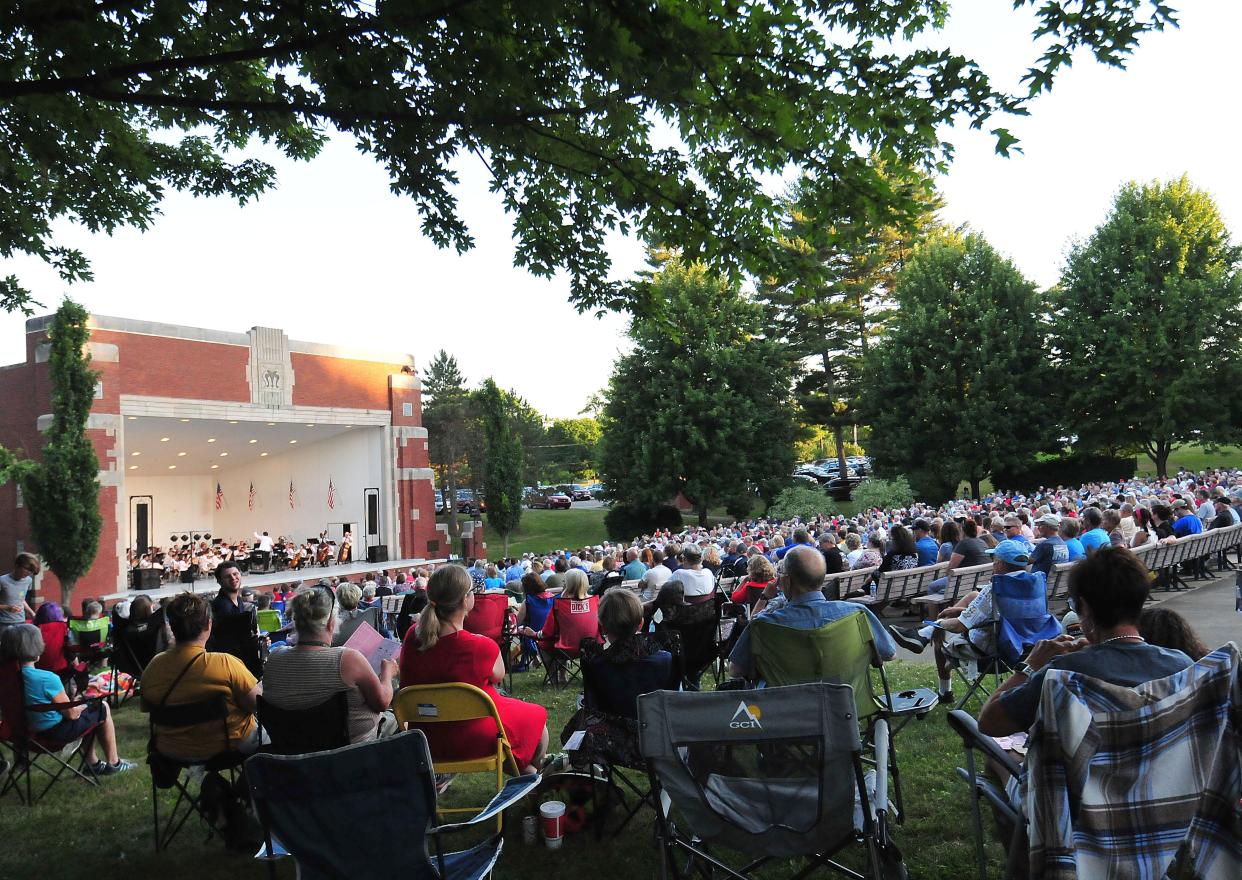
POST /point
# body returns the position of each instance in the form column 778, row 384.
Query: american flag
column 292, row 495
column 331, row 495
column 219, row 497
column 251, row 502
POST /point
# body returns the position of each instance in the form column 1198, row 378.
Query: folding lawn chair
column 1020, row 618
column 982, row 786
column 431, row 704
column 772, row 774
column 316, row 728
column 30, row 751
column 842, row 652
column 576, row 619
column 386, row 788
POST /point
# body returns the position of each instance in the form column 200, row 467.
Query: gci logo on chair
column 746, row 717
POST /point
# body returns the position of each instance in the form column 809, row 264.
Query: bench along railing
column 961, row 581
column 840, row 584
column 903, row 585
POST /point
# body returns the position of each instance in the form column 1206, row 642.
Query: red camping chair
column 492, row 618
column 28, row 747
column 572, row 620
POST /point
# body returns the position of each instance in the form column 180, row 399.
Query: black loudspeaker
column 147, row 578
column 377, row 553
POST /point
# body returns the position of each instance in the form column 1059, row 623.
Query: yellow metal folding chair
column 420, row 706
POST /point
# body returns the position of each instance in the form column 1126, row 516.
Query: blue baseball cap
column 1011, row 553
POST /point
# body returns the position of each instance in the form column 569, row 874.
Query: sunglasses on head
column 331, row 595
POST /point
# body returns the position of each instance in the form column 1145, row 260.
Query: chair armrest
column 918, row 701
column 968, row 729
column 56, row 707
column 515, row 789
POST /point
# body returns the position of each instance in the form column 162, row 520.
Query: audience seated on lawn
column 805, row 608
column 22, row 643
column 309, row 673
column 188, row 673
column 351, row 616
column 760, row 573
column 960, row 629
column 438, row 650
column 580, row 602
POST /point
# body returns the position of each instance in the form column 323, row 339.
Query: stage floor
column 267, row 581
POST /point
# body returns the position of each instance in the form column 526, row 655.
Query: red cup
column 552, row 816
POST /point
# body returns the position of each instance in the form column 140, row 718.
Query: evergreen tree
column 448, row 420
column 62, row 490
column 831, row 292
column 702, row 405
column 1148, row 325
column 959, row 386
column 505, row 460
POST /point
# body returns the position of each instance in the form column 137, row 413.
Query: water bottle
column 1237, row 602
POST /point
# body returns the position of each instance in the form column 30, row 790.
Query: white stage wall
column 178, row 504
column 352, row 460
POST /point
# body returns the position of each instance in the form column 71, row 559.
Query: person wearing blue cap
column 958, row 631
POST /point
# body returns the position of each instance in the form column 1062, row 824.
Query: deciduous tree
column 1148, row 328
column 703, row 404
column 959, row 386
column 62, row 489
column 107, row 105
column 448, row 419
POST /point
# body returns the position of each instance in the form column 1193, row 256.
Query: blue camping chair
column 387, row 789
column 1020, row 618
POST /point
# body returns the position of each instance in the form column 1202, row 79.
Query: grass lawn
column 1194, row 458
column 106, row 832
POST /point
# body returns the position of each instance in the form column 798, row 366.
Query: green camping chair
column 90, row 632
column 269, row 621
column 842, row 652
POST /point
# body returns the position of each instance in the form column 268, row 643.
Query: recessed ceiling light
column 254, row 441
column 211, row 439
column 262, row 454
column 232, row 421
column 223, row 454
column 133, row 467
column 185, row 420
column 133, row 418
column 310, row 426
column 293, row 441
column 214, row 466
column 180, row 455
column 271, row 424
column 135, row 453
column 163, row 439
column 172, row 467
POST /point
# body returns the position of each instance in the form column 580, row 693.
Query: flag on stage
column 292, row 495
column 219, row 497
column 251, row 495
column 331, row 495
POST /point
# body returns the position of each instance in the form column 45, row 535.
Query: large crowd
column 610, row 607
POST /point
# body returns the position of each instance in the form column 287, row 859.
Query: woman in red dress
column 439, row 650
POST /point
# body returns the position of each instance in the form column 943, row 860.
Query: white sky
column 332, row 256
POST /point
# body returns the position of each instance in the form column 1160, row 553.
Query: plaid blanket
column 1139, row 783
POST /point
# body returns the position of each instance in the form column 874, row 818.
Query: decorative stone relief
column 270, row 371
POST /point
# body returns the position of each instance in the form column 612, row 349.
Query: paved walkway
column 1209, row 608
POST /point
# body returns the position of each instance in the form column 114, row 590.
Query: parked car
column 466, row 502
column 579, row 492
column 549, row 499
column 841, row 488
column 440, row 506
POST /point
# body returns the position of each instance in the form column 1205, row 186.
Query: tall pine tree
column 505, row 461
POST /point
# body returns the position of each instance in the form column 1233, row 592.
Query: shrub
column 803, row 502
column 883, row 494
column 625, row 522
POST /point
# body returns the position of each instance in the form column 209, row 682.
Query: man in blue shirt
column 1093, row 537
column 1187, row 522
column 1051, row 550
column 925, row 543
column 806, row 608
column 633, row 569
column 801, row 538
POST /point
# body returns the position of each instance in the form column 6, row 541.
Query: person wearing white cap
column 1051, row 550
